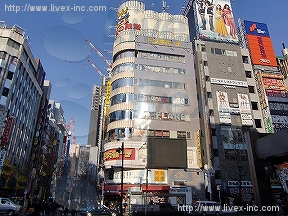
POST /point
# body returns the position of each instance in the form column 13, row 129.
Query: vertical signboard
column 7, row 130
column 3, row 114
column 2, row 158
column 260, row 44
column 263, row 102
column 245, row 110
column 108, row 96
column 215, row 20
column 199, row 149
column 223, row 107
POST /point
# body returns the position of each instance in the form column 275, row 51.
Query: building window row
column 161, row 57
column 232, row 135
column 126, row 53
column 13, row 44
column 219, row 51
column 129, row 81
column 129, row 97
column 159, row 69
column 140, row 114
column 120, row 115
column 118, row 133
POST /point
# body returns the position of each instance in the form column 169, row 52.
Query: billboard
column 257, row 29
column 260, row 44
column 215, row 21
column 261, row 50
column 223, row 107
column 166, row 153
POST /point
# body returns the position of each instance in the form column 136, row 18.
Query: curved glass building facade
column 153, row 103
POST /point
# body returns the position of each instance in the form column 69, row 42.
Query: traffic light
column 110, row 174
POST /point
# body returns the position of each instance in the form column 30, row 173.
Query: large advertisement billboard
column 260, row 44
column 261, row 50
column 215, row 20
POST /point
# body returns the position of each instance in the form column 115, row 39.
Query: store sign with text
column 112, row 154
column 123, row 22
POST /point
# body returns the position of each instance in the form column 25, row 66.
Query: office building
column 225, row 85
column 22, row 78
column 153, row 106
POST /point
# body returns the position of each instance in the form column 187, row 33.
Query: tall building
column 153, row 106
column 240, row 88
column 228, row 101
column 93, row 136
column 270, row 74
column 270, row 80
column 22, row 78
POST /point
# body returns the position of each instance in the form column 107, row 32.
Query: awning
column 150, row 188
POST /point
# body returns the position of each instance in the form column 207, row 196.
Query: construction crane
column 99, row 53
column 96, row 68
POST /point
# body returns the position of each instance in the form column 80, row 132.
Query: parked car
column 207, row 208
column 9, row 207
column 103, row 210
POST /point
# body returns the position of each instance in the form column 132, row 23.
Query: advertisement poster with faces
column 245, row 110
column 215, row 20
column 223, row 107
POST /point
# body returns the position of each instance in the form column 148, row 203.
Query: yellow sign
column 162, row 41
column 199, row 151
column 108, row 96
column 159, row 176
column 108, row 92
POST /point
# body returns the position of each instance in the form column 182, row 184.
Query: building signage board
column 260, row 44
column 261, row 49
column 223, row 107
column 164, row 116
column 229, row 82
column 7, row 130
column 2, row 158
column 245, row 109
column 215, row 21
column 159, row 175
column 255, row 28
column 199, row 149
column 112, row 154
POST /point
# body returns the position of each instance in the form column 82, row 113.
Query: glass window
column 178, row 85
column 2, row 55
column 245, row 59
column 167, row 84
column 10, row 75
column 13, row 44
column 122, row 83
column 121, row 98
column 251, row 89
column 218, row 51
column 248, row 74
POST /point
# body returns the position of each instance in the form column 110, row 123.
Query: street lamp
column 122, row 172
column 144, row 146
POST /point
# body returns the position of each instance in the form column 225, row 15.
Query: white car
column 8, row 207
column 207, row 208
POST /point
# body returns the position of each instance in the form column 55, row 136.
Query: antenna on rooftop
column 165, row 7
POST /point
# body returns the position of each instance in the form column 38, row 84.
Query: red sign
column 8, row 129
column 261, row 50
column 128, row 26
column 112, row 154
column 273, row 84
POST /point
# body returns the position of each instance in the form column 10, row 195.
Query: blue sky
column 58, row 39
